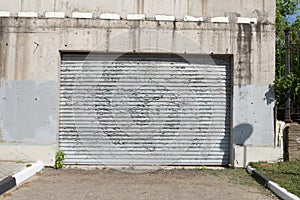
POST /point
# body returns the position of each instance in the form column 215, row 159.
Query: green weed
column 59, row 158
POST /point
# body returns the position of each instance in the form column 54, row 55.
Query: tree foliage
column 285, row 8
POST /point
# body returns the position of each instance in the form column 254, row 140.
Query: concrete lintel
column 4, row 14
column 136, row 16
column 82, row 15
column 27, row 14
column 219, row 20
column 164, row 17
column 245, row 20
column 188, row 18
column 54, row 14
column 112, row 16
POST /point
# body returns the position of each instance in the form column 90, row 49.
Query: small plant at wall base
column 59, row 158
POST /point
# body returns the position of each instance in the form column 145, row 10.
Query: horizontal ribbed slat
column 144, row 112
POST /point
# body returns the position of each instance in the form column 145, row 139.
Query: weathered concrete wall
column 245, row 154
column 32, row 47
column 30, row 52
column 252, row 111
column 28, row 152
column 263, row 9
column 28, row 111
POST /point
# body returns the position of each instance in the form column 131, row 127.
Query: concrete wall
column 30, row 56
column 263, row 9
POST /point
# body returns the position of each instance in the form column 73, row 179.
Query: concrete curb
column 7, row 183
column 275, row 188
column 11, row 181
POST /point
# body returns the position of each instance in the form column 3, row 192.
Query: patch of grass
column 131, row 167
column 216, row 174
column 286, row 174
column 203, row 167
column 240, row 176
column 104, row 168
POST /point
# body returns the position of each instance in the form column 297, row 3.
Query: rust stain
column 16, row 67
column 204, row 7
column 140, row 6
column 2, row 51
column 54, row 5
column 22, row 4
column 107, row 42
column 258, row 40
column 25, row 56
column 244, row 43
column 133, row 34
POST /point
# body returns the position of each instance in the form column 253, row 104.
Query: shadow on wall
column 241, row 133
column 270, row 95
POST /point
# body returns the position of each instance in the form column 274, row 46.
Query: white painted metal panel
column 144, row 112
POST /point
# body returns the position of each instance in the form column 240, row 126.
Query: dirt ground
column 161, row 184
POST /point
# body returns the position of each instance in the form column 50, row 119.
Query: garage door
column 144, row 110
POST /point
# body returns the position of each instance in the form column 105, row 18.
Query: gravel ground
column 162, row 184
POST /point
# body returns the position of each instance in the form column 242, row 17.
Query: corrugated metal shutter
column 144, row 112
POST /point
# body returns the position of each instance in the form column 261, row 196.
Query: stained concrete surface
column 28, row 111
column 162, row 184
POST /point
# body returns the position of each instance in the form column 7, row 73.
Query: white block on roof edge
column 164, row 17
column 27, row 14
column 28, row 172
column 136, row 16
column 54, row 14
column 245, row 20
column 4, row 14
column 110, row 16
column 219, row 20
column 188, row 18
column 82, row 15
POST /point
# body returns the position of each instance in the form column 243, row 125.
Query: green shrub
column 59, row 158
